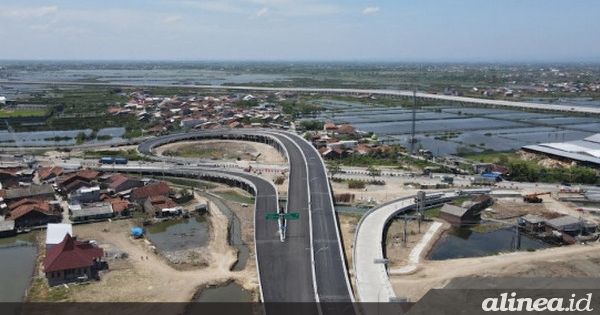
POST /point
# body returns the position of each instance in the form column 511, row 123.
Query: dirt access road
column 153, row 279
column 146, row 275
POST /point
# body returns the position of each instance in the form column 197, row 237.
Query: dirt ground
column 146, row 276
column 242, row 152
column 566, row 261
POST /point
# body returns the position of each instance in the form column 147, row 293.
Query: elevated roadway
column 309, row 265
column 370, row 265
column 333, row 91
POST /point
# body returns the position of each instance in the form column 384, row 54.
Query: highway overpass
column 309, row 266
column 356, row 92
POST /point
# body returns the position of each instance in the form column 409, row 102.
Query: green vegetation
column 528, row 171
column 373, row 171
column 433, row 213
column 40, row 292
column 4, row 114
column 130, row 154
column 234, row 196
column 195, row 152
column 313, row 125
column 296, row 108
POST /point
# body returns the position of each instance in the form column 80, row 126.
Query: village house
column 120, row 183
column 7, row 228
column 155, row 204
column 33, row 215
column 533, row 223
column 72, row 260
column 85, row 195
column 121, row 208
column 468, row 214
column 89, row 212
column 141, row 194
column 83, row 178
column 570, row 229
column 41, row 192
column 50, row 173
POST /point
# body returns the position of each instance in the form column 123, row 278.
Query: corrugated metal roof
column 56, row 232
column 563, row 222
column 586, row 150
column 453, row 210
column 594, row 138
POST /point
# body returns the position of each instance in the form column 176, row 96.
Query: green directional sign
column 287, row 216
column 272, row 216
column 292, row 216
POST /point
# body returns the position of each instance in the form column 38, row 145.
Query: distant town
column 98, row 195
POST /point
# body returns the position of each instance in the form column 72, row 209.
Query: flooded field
column 231, row 292
column 449, row 129
column 463, row 243
column 175, row 239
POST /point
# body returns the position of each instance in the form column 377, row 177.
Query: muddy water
column 462, row 243
column 17, row 256
column 231, row 292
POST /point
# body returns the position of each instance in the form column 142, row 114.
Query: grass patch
column 192, row 152
column 433, row 213
column 488, row 227
column 496, row 158
column 234, row 196
column 130, row 154
column 23, row 113
column 39, row 291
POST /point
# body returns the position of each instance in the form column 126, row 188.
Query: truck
column 106, row 160
column 448, row 179
column 120, row 160
column 495, row 176
column 481, row 180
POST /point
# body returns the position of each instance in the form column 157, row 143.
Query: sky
column 301, row 30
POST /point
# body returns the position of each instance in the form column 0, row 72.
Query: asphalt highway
column 285, row 268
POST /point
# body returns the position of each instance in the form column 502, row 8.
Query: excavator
column 533, row 198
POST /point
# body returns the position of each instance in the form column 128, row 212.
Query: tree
column 373, row 171
column 333, row 167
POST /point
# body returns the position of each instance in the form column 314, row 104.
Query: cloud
column 262, row 12
column 171, row 19
column 370, row 10
column 275, row 8
column 27, row 12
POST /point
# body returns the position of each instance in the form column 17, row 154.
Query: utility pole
column 404, row 234
column 414, row 119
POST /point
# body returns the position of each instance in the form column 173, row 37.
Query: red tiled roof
column 25, row 201
column 25, row 209
column 330, row 126
column 119, row 205
column 346, row 129
column 114, row 110
column 150, row 190
column 47, row 172
column 156, row 129
column 162, row 202
column 89, row 174
column 117, row 180
column 71, row 254
column 363, row 149
column 72, row 186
